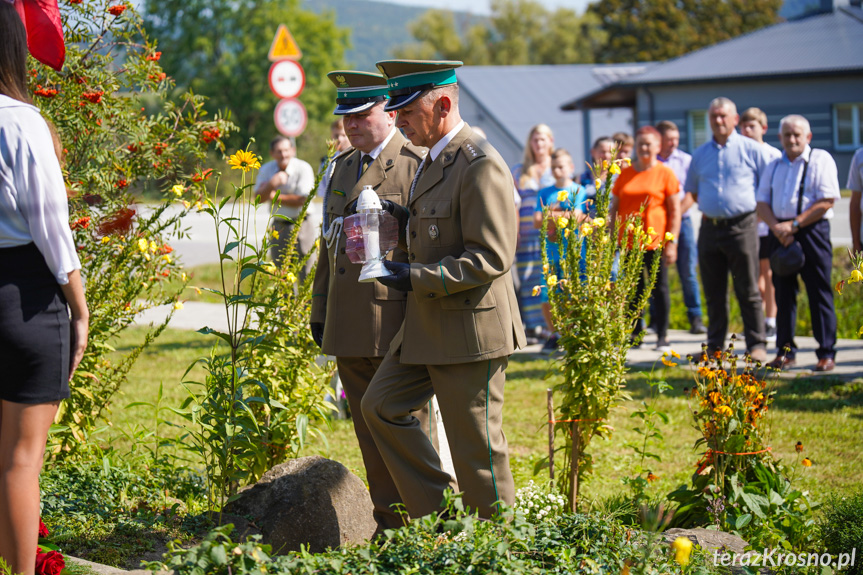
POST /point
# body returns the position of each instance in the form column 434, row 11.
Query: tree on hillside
column 651, row 30
column 519, row 32
column 218, row 48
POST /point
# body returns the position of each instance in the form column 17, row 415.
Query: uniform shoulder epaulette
column 474, row 148
column 343, row 154
column 416, row 151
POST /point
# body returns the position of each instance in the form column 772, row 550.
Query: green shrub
column 841, row 527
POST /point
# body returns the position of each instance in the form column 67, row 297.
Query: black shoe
column 696, row 326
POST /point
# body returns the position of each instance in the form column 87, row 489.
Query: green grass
column 826, row 414
column 849, row 305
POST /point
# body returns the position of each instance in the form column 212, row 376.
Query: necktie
column 413, row 187
column 364, row 164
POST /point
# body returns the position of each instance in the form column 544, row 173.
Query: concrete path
column 849, row 357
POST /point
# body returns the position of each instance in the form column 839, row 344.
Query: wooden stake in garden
column 574, row 460
column 551, row 435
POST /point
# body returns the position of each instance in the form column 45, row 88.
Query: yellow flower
column 551, row 281
column 604, row 164
column 651, row 231
column 244, row 160
column 178, row 305
column 199, row 206
column 598, row 222
column 536, row 291
column 586, row 229
column 544, row 269
column 597, row 183
column 675, row 354
column 724, row 410
column 614, row 169
column 562, row 222
column 628, row 161
column 651, row 478
column 143, row 245
column 667, row 363
column 178, row 190
column 603, row 239
column 562, row 195
column 682, row 548
column 186, row 204
column 167, row 258
column 290, row 277
column 856, row 276
column 183, row 276
column 106, row 239
column 275, row 234
column 806, row 462
column 153, row 247
column 566, row 232
column 669, row 237
column 270, row 268
column 860, row 332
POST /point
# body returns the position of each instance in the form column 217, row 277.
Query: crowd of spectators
column 757, row 203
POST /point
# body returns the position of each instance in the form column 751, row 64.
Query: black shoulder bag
column 789, row 260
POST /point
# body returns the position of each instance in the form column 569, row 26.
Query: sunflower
column 244, row 160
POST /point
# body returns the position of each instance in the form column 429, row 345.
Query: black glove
column 317, row 332
column 401, row 278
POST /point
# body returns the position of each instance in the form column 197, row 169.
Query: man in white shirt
column 855, row 184
column 795, row 200
column 288, row 180
column 753, row 125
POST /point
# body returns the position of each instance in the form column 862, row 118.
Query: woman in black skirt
column 40, row 283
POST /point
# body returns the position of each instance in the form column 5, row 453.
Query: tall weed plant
column 263, row 394
column 119, row 133
column 595, row 306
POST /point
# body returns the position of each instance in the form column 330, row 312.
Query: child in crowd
column 601, row 151
column 572, row 207
column 625, row 143
column 753, row 124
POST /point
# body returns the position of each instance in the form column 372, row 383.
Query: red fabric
column 44, row 31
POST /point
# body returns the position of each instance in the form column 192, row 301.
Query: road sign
column 287, row 78
column 284, row 46
column 290, row 117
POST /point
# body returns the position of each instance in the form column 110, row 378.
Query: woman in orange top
column 651, row 184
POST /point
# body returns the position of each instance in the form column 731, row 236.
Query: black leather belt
column 725, row 222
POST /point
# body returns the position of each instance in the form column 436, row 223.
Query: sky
column 483, row 6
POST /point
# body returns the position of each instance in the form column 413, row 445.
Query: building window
column 847, row 126
column 698, row 128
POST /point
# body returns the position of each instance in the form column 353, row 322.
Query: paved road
column 200, row 248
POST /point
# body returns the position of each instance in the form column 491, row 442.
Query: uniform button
column 431, row 295
column 414, row 212
column 432, row 211
column 343, row 250
column 413, row 234
column 467, row 301
column 413, row 257
column 341, row 270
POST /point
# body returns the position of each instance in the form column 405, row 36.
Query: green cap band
column 362, row 92
column 426, row 79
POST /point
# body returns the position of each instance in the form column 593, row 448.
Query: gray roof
column 828, row 43
column 504, row 91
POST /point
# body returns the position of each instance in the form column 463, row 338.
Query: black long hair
column 13, row 54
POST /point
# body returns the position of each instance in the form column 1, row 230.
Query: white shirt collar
column 377, row 151
column 807, row 152
column 442, row 143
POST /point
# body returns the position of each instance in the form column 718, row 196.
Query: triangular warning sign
column 284, row 46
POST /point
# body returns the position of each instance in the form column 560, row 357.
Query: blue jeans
column 687, row 257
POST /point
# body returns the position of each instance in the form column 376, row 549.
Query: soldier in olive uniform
column 356, row 321
column 462, row 321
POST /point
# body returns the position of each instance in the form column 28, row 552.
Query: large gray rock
column 309, row 501
column 714, row 540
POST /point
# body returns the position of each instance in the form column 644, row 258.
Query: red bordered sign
column 290, row 117
column 287, row 78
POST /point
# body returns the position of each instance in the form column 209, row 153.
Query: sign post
column 287, row 80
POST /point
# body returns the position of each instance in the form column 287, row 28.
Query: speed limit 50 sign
column 290, row 117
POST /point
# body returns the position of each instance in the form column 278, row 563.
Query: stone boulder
column 309, row 501
column 714, row 540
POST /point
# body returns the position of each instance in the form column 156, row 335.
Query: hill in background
column 378, row 28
